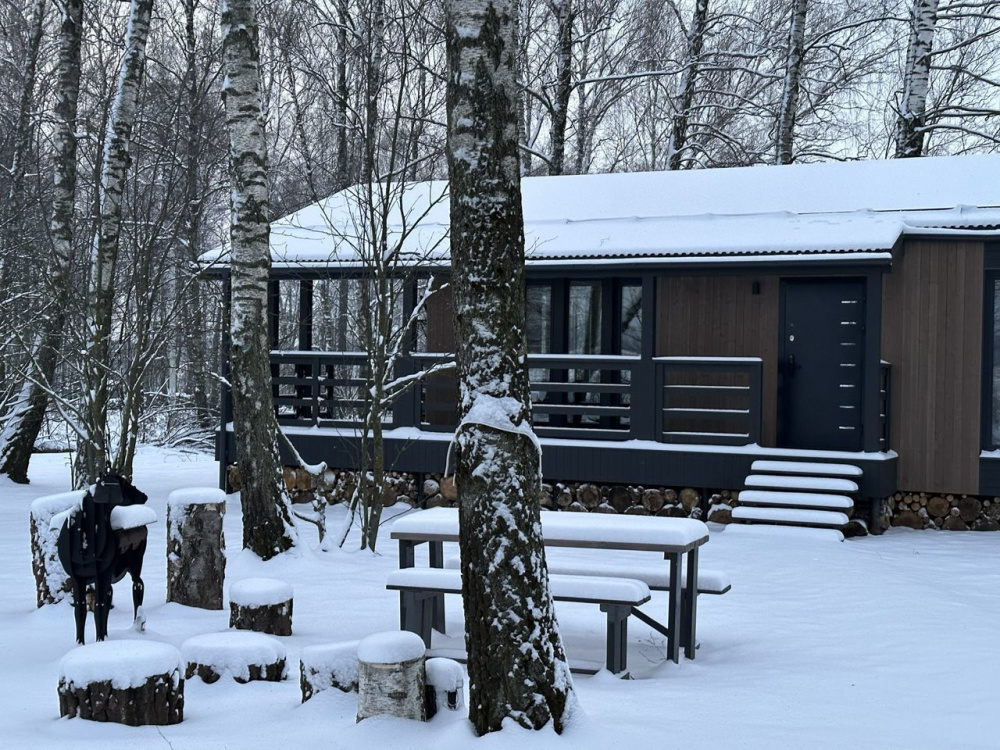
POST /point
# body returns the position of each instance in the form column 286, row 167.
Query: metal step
column 816, row 484
column 826, row 519
column 806, row 467
column 812, row 500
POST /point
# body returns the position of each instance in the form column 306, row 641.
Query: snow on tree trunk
column 24, row 418
column 267, row 528
column 679, row 129
column 562, row 10
column 517, row 667
column 916, row 79
column 93, row 449
column 790, row 92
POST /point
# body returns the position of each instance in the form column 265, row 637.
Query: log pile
column 923, row 510
column 337, row 486
column 137, row 683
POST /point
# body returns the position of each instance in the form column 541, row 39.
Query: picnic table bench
column 676, row 539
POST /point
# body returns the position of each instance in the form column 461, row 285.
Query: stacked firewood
column 922, row 510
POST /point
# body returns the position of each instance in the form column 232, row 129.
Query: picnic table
column 678, row 539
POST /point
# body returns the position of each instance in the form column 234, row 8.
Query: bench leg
column 617, row 646
column 674, row 616
column 416, row 614
column 406, row 560
column 435, row 554
column 689, row 606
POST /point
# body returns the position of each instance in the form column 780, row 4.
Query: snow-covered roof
column 830, row 210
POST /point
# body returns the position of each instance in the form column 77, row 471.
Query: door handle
column 791, row 364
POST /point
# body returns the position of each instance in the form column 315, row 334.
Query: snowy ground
column 883, row 642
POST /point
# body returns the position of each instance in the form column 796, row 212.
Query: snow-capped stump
column 391, row 676
column 196, row 547
column 445, row 679
column 128, row 682
column 52, row 584
column 331, row 665
column 243, row 656
column 261, row 604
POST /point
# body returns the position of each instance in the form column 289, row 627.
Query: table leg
column 435, row 556
column 406, row 560
column 690, row 608
column 674, row 607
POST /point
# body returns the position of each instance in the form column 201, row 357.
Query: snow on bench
column 617, row 596
column 657, row 577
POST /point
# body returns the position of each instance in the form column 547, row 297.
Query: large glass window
column 538, row 314
column 584, row 330
column 630, row 317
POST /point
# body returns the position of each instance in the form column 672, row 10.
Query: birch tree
column 517, row 667
column 23, row 420
column 94, row 451
column 685, row 101
column 788, row 107
column 267, row 527
column 916, row 79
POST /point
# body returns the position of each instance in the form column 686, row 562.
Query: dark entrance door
column 821, row 365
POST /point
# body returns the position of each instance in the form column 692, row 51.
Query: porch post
column 406, row 408
column 643, row 414
column 873, row 362
column 305, row 389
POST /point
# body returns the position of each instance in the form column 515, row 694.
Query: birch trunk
column 517, row 668
column 24, row 419
column 94, row 451
column 790, row 92
column 562, row 10
column 679, row 129
column 343, row 94
column 916, row 79
column 267, row 528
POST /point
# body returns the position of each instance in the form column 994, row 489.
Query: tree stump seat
column 391, row 677
column 243, row 656
column 129, row 682
column 261, row 604
column 196, row 547
column 326, row 666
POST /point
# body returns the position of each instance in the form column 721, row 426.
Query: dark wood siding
column 932, row 336
column 720, row 316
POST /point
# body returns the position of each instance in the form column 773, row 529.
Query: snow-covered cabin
column 684, row 324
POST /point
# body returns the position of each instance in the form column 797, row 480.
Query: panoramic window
column 630, row 315
column 584, row 318
column 538, row 314
column 994, row 358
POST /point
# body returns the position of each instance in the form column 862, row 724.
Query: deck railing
column 713, row 400
column 698, row 399
column 884, row 405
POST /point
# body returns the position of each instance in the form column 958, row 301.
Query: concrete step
column 806, row 467
column 811, row 500
column 815, row 484
column 826, row 519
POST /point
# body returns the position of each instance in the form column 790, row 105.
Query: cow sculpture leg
column 103, row 608
column 79, row 607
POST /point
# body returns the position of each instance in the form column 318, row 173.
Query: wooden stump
column 245, row 657
column 391, row 676
column 333, row 665
column 261, row 604
column 128, row 682
column 196, row 547
column 52, row 583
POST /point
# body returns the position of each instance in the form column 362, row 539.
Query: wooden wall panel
column 719, row 316
column 932, row 336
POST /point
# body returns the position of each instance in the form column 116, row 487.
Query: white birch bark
column 916, row 79
column 267, row 528
column 93, row 451
column 23, row 420
column 789, row 105
column 517, row 667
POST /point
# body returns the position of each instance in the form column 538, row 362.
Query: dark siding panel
column 719, row 316
column 932, row 334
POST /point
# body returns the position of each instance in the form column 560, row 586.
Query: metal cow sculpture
column 96, row 555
